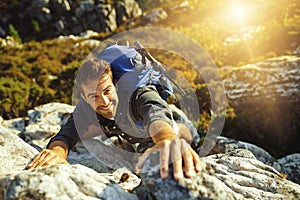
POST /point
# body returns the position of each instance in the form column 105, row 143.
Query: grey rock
column 45, row 121
column 270, row 79
column 265, row 98
column 225, row 145
column 233, row 175
column 127, row 9
column 59, row 7
column 15, row 154
column 61, row 182
column 156, row 15
column 17, row 125
column 291, row 166
column 107, row 17
column 58, row 181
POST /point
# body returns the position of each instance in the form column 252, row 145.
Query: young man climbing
column 138, row 116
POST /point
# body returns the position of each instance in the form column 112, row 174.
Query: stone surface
column 45, row 121
column 265, row 98
column 291, row 166
column 61, row 182
column 225, row 145
column 15, row 154
column 234, row 175
column 234, row 170
column 156, row 15
column 63, row 17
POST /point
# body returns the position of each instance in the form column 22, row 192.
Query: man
column 100, row 94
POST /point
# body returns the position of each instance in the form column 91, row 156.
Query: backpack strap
column 158, row 66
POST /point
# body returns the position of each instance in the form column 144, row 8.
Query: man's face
column 101, row 95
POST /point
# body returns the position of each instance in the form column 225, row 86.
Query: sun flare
column 237, row 12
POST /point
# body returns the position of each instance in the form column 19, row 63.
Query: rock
column 64, row 17
column 291, row 166
column 233, row 175
column 15, row 154
column 225, row 145
column 45, row 122
column 127, row 9
column 17, row 125
column 107, row 17
column 61, row 182
column 156, row 15
column 55, row 182
column 125, row 178
column 271, row 79
column 59, row 7
column 265, row 98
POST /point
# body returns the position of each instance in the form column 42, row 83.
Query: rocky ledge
column 234, row 170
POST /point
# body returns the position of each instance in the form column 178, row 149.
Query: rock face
column 265, row 97
column 290, row 165
column 15, row 154
column 42, row 123
column 45, row 18
column 234, row 175
column 55, row 182
column 231, row 172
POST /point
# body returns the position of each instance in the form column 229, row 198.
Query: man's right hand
column 56, row 154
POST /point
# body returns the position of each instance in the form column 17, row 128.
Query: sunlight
column 237, row 12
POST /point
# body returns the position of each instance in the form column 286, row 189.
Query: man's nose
column 104, row 100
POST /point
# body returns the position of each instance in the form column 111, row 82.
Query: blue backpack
column 135, row 68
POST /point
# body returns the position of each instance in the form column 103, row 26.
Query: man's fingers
column 197, row 162
column 36, row 159
column 46, row 157
column 164, row 161
column 176, row 159
column 141, row 161
column 189, row 169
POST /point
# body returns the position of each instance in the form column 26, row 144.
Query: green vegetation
column 42, row 72
column 14, row 34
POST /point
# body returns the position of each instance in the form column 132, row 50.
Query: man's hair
column 92, row 69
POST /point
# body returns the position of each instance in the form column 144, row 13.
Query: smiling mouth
column 105, row 108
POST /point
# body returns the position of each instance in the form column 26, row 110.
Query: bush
column 14, row 33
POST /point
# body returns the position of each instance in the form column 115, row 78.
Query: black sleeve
column 77, row 125
column 67, row 134
column 148, row 106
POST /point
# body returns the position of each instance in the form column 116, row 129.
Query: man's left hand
column 178, row 152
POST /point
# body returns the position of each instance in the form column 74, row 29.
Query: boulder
column 45, row 121
column 55, row 182
column 15, row 154
column 265, row 97
column 61, row 182
column 64, row 17
column 233, row 175
column 231, row 172
column 291, row 166
column 225, row 145
column 156, row 15
column 126, row 9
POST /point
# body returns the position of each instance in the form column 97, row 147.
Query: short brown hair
column 92, row 69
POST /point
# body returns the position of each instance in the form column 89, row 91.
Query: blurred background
column 255, row 45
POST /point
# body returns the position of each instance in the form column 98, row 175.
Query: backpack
column 135, row 68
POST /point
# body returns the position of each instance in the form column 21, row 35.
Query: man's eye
column 108, row 91
column 93, row 97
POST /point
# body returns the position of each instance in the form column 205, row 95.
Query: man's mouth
column 105, row 108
